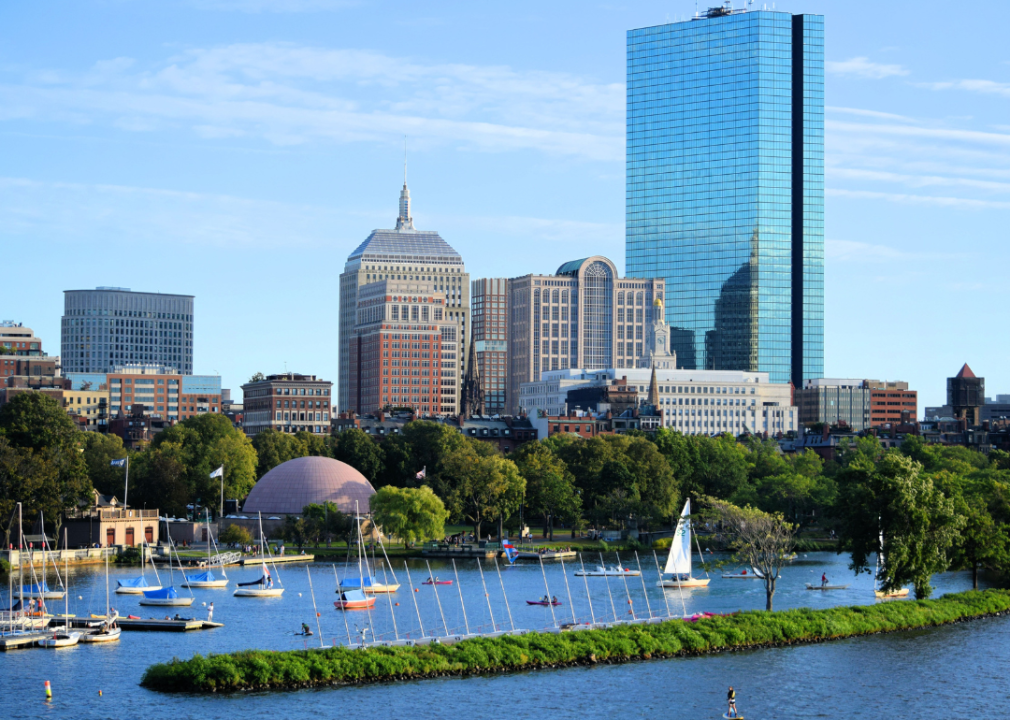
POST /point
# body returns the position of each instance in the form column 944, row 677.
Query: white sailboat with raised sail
column 207, row 579
column 264, row 586
column 678, row 562
column 877, row 592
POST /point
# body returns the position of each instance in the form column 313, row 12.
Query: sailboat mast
column 66, row 574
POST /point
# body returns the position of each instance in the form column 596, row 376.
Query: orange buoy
column 319, row 614
column 397, row 604
column 99, row 693
column 49, row 691
column 416, row 590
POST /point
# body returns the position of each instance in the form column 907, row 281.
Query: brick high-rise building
column 161, row 391
column 489, row 332
column 287, row 402
column 404, row 350
column 403, row 254
column 583, row 316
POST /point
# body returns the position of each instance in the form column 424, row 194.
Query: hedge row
column 264, row 669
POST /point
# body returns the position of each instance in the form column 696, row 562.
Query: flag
column 118, row 463
column 423, row 474
column 218, row 473
column 510, row 552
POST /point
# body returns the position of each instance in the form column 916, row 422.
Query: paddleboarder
column 731, row 699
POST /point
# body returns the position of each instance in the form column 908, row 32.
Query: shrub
column 662, row 543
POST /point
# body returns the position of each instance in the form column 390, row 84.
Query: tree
column 326, row 521
column 891, row 506
column 273, row 448
column 295, row 530
column 161, row 480
column 33, row 420
column 411, row 514
column 550, row 488
column 358, row 450
column 982, row 542
column 762, row 540
column 99, row 451
column 204, row 443
column 23, row 474
column 257, row 377
column 236, row 535
column 315, row 446
column 481, row 486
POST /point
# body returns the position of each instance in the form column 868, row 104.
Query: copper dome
column 291, row 486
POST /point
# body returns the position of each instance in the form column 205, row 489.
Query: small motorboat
column 165, row 596
column 102, row 635
column 544, row 603
column 613, row 571
column 354, row 600
column 811, row 586
column 436, row 581
column 59, row 639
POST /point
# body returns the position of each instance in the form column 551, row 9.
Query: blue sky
column 238, row 150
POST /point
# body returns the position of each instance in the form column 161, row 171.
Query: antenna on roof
column 404, row 159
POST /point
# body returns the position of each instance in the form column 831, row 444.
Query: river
column 945, row 672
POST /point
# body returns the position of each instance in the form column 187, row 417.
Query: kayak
column 543, row 603
column 825, row 587
column 437, row 582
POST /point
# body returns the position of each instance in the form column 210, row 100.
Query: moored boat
column 60, row 639
column 372, row 585
column 543, row 603
column 264, row 586
column 166, row 597
column 205, row 580
column 354, row 600
column 41, row 591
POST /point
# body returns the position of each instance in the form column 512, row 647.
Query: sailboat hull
column 50, row 595
column 206, row 584
column 689, row 583
column 380, row 588
column 354, row 604
column 60, row 640
column 253, row 592
column 136, row 590
column 102, row 637
column 168, row 602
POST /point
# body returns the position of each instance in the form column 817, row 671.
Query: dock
column 257, row 559
column 13, row 642
column 153, row 624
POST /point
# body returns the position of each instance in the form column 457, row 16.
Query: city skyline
column 204, row 138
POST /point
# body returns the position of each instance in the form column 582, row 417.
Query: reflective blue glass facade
column 725, row 187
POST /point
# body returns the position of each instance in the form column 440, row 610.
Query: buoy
column 319, row 614
column 49, row 691
column 397, row 604
column 299, row 594
column 629, row 602
column 204, row 604
column 80, row 597
column 415, row 590
column 99, row 693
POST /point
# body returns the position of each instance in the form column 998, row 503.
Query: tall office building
column 489, row 333
column 725, row 186
column 582, row 316
column 109, row 328
column 406, row 255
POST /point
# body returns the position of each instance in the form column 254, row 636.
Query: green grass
column 263, row 669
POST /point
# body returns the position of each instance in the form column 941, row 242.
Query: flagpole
column 220, row 513
column 126, row 488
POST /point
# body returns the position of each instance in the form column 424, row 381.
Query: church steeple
column 653, row 397
column 472, row 397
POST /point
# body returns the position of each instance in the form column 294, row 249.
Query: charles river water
column 959, row 671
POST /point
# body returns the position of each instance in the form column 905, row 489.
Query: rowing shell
column 826, row 587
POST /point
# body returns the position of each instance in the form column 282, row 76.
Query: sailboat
column 351, row 599
column 40, row 590
column 108, row 631
column 168, row 596
column 264, row 586
column 206, row 579
column 678, row 562
column 138, row 585
column 877, row 592
column 367, row 581
column 64, row 637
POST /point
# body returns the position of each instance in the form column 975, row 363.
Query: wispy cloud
column 932, row 200
column 917, row 181
column 290, row 94
column 908, row 131
column 985, row 87
column 863, row 67
column 876, row 114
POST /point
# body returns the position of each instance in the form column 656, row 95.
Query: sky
column 239, row 150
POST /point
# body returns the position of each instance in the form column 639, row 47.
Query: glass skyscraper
column 725, row 186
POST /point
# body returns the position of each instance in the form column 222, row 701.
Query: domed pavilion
column 292, row 485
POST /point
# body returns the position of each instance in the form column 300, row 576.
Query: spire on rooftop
column 965, row 372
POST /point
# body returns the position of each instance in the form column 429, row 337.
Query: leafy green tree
column 982, row 543
column 479, row 486
column 99, row 451
column 431, row 444
column 257, row 377
column 273, row 448
column 358, row 450
column 315, row 445
column 398, row 465
column 761, row 540
column 410, row 514
column 160, row 480
column 34, row 420
column 764, row 458
column 236, row 535
column 894, row 501
column 550, row 488
column 296, row 531
column 23, row 474
column 204, row 443
column 326, row 521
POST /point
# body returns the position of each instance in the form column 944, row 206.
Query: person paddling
column 731, row 699
column 824, row 580
column 305, row 629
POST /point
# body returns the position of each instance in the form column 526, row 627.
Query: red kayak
column 543, row 603
column 437, row 582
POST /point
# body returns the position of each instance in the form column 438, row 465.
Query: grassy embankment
column 262, row 670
